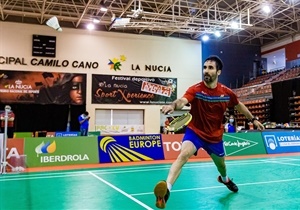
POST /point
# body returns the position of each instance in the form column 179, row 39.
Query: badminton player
column 209, row 100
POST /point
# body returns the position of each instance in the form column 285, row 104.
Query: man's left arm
column 245, row 111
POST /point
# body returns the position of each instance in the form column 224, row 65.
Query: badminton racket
column 180, row 122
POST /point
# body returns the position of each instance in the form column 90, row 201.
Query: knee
column 183, row 156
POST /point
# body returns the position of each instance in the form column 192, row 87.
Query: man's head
column 76, row 90
column 212, row 68
column 86, row 113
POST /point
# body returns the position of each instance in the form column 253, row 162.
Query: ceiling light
column 267, row 9
column 205, row 38
column 234, row 25
column 217, row 33
column 90, row 26
column 95, row 20
column 103, row 8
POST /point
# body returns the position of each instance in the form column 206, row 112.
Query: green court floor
column 270, row 183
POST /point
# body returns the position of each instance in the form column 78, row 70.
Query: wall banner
column 237, row 144
column 67, row 134
column 282, row 142
column 172, row 146
column 59, row 151
column 42, row 87
column 117, row 89
column 15, row 153
column 113, row 149
column 120, row 129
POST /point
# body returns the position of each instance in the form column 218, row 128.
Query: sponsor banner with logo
column 50, row 134
column 130, row 148
column 58, row 151
column 172, row 147
column 120, row 129
column 42, row 87
column 15, row 153
column 67, row 134
column 118, row 89
column 238, row 144
column 281, row 142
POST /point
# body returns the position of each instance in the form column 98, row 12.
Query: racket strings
column 180, row 122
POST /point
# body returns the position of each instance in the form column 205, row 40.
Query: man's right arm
column 175, row 105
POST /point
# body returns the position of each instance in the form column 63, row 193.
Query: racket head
column 180, row 122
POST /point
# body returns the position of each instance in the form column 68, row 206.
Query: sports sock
column 225, row 178
column 169, row 186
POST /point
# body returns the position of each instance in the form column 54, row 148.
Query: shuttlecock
column 53, row 23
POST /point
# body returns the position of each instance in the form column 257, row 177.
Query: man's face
column 210, row 72
column 75, row 92
column 49, row 81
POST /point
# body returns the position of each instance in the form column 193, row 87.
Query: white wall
column 182, row 56
column 275, row 60
column 280, row 43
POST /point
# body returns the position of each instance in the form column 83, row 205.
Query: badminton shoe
column 162, row 194
column 230, row 184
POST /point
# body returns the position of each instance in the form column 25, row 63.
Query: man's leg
column 162, row 189
column 221, row 166
column 84, row 132
column 220, row 163
column 187, row 150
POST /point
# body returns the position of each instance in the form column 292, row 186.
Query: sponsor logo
column 45, row 148
column 237, row 143
column 119, row 153
column 49, row 148
column 271, row 141
column 115, row 63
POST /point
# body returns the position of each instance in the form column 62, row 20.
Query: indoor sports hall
column 265, row 183
column 102, row 100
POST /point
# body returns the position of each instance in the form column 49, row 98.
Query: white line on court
column 99, row 172
column 129, row 169
column 10, row 177
column 219, row 186
column 281, row 163
column 120, row 191
column 40, row 177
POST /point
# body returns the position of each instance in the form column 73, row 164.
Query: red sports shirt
column 207, row 108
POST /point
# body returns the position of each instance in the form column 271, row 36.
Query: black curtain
column 51, row 117
column 296, row 87
column 280, row 108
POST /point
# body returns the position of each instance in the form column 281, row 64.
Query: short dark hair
column 86, row 113
column 47, row 74
column 219, row 62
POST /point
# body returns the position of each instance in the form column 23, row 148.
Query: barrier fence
column 58, row 151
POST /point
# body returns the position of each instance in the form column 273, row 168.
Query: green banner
column 61, row 151
column 237, row 144
column 22, row 134
column 94, row 133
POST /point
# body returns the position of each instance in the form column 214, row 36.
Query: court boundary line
column 100, row 172
column 220, row 186
column 115, row 170
column 136, row 169
column 120, row 191
column 281, row 163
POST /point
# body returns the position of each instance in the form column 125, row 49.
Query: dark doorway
column 37, row 117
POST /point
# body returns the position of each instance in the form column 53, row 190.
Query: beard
column 208, row 79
